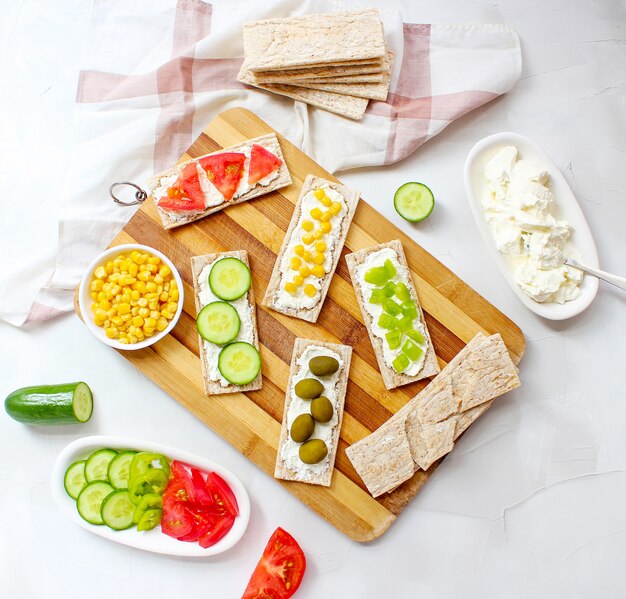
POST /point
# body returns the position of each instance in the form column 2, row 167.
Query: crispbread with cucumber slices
column 298, row 304
column 269, row 142
column 208, row 359
column 335, row 384
column 392, row 378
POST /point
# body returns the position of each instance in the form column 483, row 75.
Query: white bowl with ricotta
column 85, row 300
column 564, row 208
column 150, row 540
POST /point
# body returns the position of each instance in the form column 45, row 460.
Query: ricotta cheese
column 375, row 310
column 300, row 300
column 246, row 332
column 325, row 431
column 518, row 207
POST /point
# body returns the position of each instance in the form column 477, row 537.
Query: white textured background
column 531, row 503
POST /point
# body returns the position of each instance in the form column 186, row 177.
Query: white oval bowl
column 151, row 540
column 565, row 208
column 85, row 300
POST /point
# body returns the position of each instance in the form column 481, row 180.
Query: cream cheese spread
column 289, row 452
column 375, row 310
column 518, row 207
column 246, row 331
column 298, row 300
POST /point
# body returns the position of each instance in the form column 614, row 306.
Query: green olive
column 302, row 428
column 323, row 365
column 313, row 451
column 309, row 388
column 322, row 409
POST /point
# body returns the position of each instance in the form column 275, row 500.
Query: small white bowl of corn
column 131, row 296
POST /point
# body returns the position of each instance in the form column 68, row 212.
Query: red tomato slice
column 180, row 485
column 218, row 531
column 222, row 494
column 279, row 571
column 224, row 171
column 185, row 195
column 199, row 484
column 262, row 163
column 176, row 521
column 203, row 520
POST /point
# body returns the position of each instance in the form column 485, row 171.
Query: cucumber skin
column 43, row 404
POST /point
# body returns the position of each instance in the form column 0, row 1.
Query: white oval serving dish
column 566, row 208
column 85, row 301
column 152, row 540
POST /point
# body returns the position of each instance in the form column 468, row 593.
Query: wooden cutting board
column 251, row 422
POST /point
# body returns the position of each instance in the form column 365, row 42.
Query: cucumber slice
column 218, row 322
column 239, row 363
column 90, row 499
column 229, row 278
column 117, row 510
column 413, row 201
column 119, row 468
column 74, row 480
column 51, row 404
column 97, row 465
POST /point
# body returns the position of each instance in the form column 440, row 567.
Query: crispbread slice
column 269, row 140
column 348, row 106
column 391, row 378
column 212, row 387
column 371, row 91
column 323, row 478
column 482, row 366
column 313, row 40
column 351, row 198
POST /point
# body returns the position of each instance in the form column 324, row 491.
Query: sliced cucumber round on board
column 239, row 363
column 414, row 201
column 117, row 510
column 51, row 404
column 97, row 465
column 90, row 500
column 229, row 278
column 119, row 468
column 74, row 480
column 218, row 322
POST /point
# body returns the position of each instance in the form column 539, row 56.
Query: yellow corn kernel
column 144, row 275
column 127, row 317
column 140, row 336
column 150, row 323
column 290, row 288
column 317, row 234
column 325, row 227
column 151, row 286
column 109, row 267
column 133, row 339
column 100, row 272
column 114, row 277
column 132, row 330
column 158, row 279
column 117, row 320
column 172, row 307
column 96, row 285
column 304, row 272
column 148, row 333
column 164, row 296
column 94, row 295
column 318, row 258
column 135, row 295
column 166, row 314
column 165, row 270
column 326, row 216
column 173, row 284
column 320, row 246
column 143, row 312
column 107, row 323
column 135, row 310
column 318, row 271
column 159, row 290
column 153, row 305
column 335, row 208
column 127, row 280
column 326, row 201
column 111, row 332
column 104, row 304
column 114, row 289
column 174, row 295
column 133, row 269
column 154, row 314
column 310, row 290
column 299, row 250
column 101, row 314
column 139, row 258
column 123, row 308
column 316, row 213
column 140, row 286
column 306, row 256
column 123, row 340
column 307, row 225
column 154, row 260
column 298, row 280
column 112, row 311
column 142, row 302
column 124, row 264
column 295, row 263
column 161, row 324
column 137, row 321
column 319, row 193
column 307, row 238
column 152, row 268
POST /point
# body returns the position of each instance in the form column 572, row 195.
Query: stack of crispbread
column 337, row 61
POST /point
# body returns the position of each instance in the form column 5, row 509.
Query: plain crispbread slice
column 269, row 141
column 351, row 199
column 391, row 378
column 477, row 375
column 324, row 478
column 212, row 387
column 313, row 40
column 370, row 91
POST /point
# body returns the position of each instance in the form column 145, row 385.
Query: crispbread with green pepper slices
column 345, row 353
column 391, row 378
column 212, row 387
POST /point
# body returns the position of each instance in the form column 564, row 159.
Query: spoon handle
column 605, row 276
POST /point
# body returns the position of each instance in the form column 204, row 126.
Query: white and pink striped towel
column 154, row 74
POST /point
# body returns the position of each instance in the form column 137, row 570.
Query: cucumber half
column 414, row 201
column 74, row 480
column 90, row 500
column 51, row 404
column 97, row 465
column 117, row 510
column 119, row 468
column 239, row 363
column 229, row 278
column 218, row 322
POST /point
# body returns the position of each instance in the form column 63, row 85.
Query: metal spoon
column 605, row 276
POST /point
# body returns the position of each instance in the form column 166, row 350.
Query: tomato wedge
column 224, row 171
column 200, row 489
column 176, row 520
column 279, row 571
column 262, row 163
column 185, row 195
column 222, row 494
column 218, row 531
